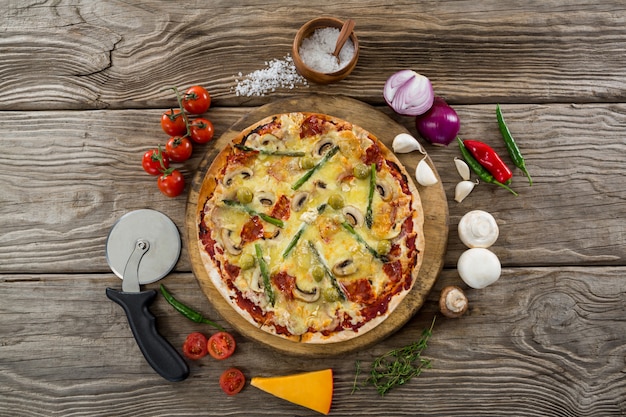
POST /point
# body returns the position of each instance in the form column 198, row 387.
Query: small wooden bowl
column 320, row 77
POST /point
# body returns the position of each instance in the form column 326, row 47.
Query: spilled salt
column 317, row 51
column 278, row 73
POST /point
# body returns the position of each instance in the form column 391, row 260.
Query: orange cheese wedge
column 313, row 390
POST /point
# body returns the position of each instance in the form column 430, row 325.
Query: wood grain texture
column 69, row 176
column 81, row 91
column 435, row 225
column 95, row 55
column 549, row 342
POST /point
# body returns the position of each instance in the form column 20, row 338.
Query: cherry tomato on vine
column 171, row 182
column 232, row 381
column 155, row 161
column 201, row 130
column 196, row 100
column 221, row 345
column 179, row 149
column 173, row 123
column 195, row 346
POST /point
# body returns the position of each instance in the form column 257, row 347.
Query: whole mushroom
column 478, row 229
column 479, row 267
column 453, row 302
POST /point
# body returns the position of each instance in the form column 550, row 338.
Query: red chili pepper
column 489, row 159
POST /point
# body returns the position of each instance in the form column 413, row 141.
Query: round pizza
column 310, row 228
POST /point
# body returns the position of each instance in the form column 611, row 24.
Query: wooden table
column 81, row 91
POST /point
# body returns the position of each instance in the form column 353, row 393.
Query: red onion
column 440, row 124
column 408, row 93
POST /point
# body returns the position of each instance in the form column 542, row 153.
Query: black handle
column 159, row 353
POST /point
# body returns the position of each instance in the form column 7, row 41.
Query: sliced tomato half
column 232, row 381
column 221, row 345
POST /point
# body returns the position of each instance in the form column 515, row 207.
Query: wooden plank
column 69, row 175
column 545, row 340
column 118, row 55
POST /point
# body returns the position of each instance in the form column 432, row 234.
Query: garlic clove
column 478, row 229
column 405, row 143
column 462, row 168
column 463, row 189
column 479, row 267
column 424, row 174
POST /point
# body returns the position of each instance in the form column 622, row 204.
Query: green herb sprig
column 397, row 366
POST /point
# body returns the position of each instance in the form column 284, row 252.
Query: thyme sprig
column 397, row 366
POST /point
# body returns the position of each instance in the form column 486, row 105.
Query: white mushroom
column 266, row 198
column 228, row 243
column 307, row 296
column 479, row 267
column 424, row 174
column 384, row 189
column 462, row 168
column 255, row 282
column 299, row 200
column 244, row 172
column 345, row 267
column 478, row 229
column 353, row 215
column 463, row 189
column 405, row 143
column 322, row 146
column 453, row 302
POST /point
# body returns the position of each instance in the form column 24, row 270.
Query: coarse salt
column 279, row 73
column 317, row 51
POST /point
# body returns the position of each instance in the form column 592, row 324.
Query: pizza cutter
column 143, row 246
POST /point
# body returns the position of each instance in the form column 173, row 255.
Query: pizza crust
column 215, row 271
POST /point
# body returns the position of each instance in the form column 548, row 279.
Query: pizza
column 310, row 228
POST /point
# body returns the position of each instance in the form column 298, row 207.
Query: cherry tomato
column 173, row 123
column 201, row 130
column 232, row 381
column 196, row 100
column 221, row 345
column 195, row 346
column 171, row 182
column 151, row 161
column 179, row 149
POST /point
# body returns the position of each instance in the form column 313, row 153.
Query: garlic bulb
column 479, row 267
column 405, row 143
column 463, row 189
column 424, row 174
column 478, row 229
column 462, row 168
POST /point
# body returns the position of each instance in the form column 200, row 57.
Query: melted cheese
column 274, row 176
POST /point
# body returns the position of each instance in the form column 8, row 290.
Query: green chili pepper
column 478, row 169
column 511, row 145
column 311, row 171
column 187, row 311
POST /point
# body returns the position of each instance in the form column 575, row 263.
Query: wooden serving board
column 435, row 224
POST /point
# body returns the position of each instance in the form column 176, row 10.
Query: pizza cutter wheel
column 143, row 246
